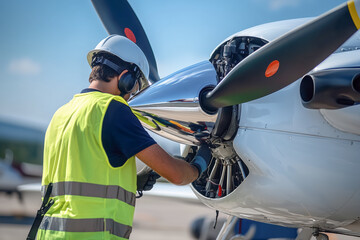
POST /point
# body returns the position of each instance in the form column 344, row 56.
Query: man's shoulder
column 121, row 100
column 118, row 104
column 118, row 110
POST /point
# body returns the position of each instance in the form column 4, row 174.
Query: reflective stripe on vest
column 91, row 190
column 86, row 225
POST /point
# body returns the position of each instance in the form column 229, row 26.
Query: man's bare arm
column 174, row 170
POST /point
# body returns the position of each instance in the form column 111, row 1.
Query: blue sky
column 44, row 43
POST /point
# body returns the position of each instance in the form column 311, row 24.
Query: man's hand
column 202, row 158
column 146, row 180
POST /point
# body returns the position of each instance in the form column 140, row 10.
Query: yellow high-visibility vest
column 93, row 200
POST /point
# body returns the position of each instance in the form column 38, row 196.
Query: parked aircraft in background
column 25, row 142
column 282, row 123
column 20, row 156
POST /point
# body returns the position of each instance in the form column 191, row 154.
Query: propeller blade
column 286, row 59
column 119, row 18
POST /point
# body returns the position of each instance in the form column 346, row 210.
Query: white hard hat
column 124, row 49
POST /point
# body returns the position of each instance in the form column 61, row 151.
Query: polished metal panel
column 171, row 108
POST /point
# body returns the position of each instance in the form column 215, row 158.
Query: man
column 90, row 149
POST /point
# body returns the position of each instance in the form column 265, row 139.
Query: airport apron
column 92, row 200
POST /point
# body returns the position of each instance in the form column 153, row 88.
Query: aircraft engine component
column 331, row 89
column 229, row 54
column 224, row 174
column 226, row 171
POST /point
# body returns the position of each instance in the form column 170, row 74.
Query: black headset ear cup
column 126, row 83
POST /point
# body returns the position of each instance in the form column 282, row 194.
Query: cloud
column 278, row 4
column 24, row 67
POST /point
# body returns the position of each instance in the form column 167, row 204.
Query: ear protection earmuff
column 128, row 80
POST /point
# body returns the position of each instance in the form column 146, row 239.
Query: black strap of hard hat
column 133, row 68
column 101, row 60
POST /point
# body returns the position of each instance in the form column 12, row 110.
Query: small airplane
column 20, row 144
column 278, row 104
column 10, row 179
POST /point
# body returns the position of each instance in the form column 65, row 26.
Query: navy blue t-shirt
column 122, row 133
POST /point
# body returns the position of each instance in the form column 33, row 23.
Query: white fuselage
column 302, row 170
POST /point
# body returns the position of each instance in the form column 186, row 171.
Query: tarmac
column 155, row 217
